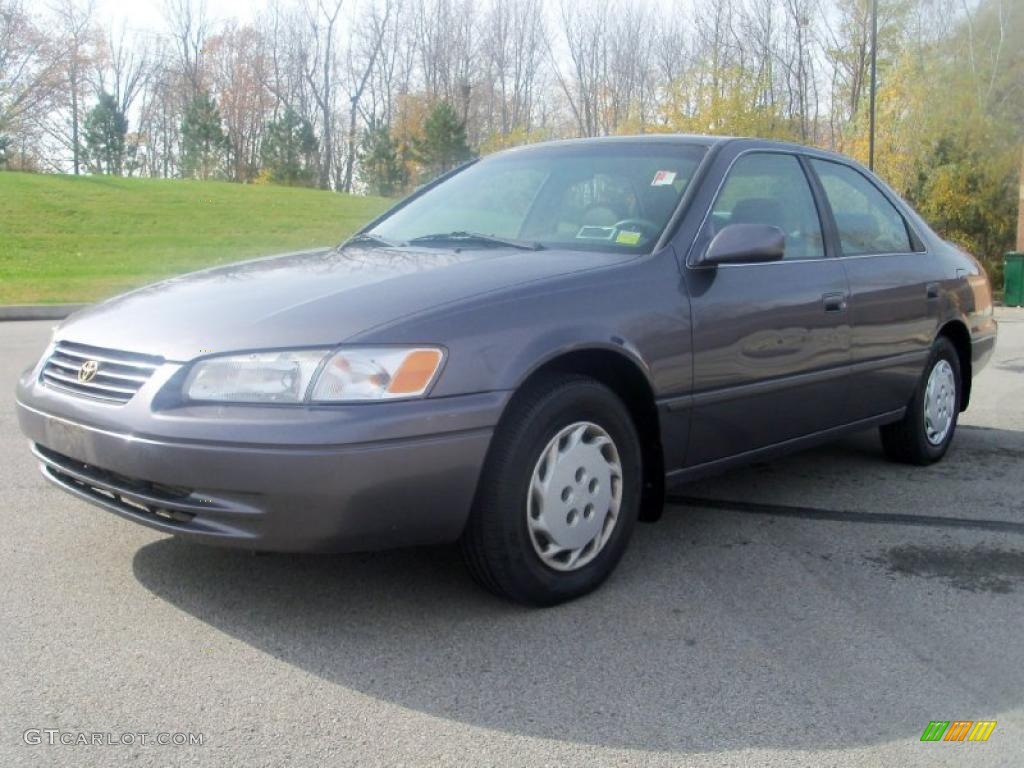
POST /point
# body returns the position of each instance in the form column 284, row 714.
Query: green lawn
column 73, row 239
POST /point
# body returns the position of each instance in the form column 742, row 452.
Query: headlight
column 376, row 374
column 315, row 376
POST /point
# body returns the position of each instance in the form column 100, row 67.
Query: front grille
column 118, row 375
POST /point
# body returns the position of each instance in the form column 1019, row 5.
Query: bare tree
column 364, row 54
column 848, row 48
column 28, row 70
column 320, row 64
column 672, row 57
column 628, row 73
column 189, row 28
column 239, row 67
column 585, row 28
column 159, row 114
column 513, row 52
column 758, row 26
column 75, row 54
column 391, row 78
column 445, row 38
column 122, row 66
column 184, row 74
column 285, row 32
column 797, row 64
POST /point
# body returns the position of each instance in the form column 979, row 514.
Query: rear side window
column 771, row 188
column 867, row 222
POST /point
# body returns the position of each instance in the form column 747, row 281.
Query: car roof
column 684, row 138
column 646, row 138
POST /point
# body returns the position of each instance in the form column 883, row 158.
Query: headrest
column 757, row 210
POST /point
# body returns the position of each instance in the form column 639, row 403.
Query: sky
column 148, row 14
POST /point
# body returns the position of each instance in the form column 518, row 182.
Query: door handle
column 932, row 289
column 834, row 302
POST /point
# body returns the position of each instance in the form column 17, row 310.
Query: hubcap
column 939, row 402
column 575, row 494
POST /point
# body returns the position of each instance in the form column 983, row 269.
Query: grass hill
column 72, row 239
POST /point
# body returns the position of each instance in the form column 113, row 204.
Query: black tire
column 906, row 440
column 496, row 543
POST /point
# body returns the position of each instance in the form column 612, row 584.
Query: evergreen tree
column 5, row 142
column 105, row 130
column 443, row 144
column 203, row 143
column 380, row 162
column 289, row 151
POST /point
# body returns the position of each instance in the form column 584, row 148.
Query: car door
column 770, row 340
column 893, row 300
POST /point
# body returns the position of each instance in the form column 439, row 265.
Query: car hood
column 305, row 299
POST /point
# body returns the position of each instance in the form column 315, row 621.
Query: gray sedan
column 522, row 356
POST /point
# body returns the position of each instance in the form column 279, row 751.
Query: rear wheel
column 926, row 430
column 559, row 494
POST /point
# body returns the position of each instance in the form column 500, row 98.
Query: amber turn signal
column 415, row 373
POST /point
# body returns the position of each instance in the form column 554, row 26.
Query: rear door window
column 867, row 222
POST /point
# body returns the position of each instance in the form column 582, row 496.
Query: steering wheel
column 646, row 226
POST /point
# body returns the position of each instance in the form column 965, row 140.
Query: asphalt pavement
column 817, row 610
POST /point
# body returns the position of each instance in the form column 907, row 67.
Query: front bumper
column 343, row 478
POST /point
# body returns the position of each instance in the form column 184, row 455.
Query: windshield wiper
column 475, row 237
column 368, row 238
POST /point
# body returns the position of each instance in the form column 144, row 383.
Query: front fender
column 560, row 342
column 638, row 310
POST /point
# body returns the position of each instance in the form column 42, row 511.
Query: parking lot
column 817, row 610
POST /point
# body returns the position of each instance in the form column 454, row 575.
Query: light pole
column 874, row 68
column 1020, row 207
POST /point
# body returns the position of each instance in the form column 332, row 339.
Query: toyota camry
column 522, row 356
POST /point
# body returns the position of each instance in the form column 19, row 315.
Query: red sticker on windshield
column 663, row 178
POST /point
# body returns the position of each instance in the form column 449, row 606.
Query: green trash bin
column 1013, row 279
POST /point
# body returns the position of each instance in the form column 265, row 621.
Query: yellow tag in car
column 627, row 238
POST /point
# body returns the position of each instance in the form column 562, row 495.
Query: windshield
column 608, row 197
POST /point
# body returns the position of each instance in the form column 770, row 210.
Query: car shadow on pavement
column 719, row 631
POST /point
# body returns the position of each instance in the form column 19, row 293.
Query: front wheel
column 559, row 494
column 926, row 430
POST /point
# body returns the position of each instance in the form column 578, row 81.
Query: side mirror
column 745, row 244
